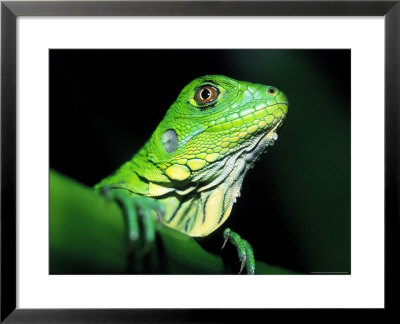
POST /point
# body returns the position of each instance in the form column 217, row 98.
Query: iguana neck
column 196, row 208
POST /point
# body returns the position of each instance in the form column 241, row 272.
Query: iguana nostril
column 272, row 91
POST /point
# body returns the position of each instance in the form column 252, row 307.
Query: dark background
column 295, row 204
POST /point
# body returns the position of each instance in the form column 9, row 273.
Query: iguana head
column 209, row 138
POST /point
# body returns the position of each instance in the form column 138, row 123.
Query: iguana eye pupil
column 206, row 94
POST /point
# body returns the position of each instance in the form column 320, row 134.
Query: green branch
column 87, row 236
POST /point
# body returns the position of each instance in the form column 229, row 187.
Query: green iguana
column 189, row 173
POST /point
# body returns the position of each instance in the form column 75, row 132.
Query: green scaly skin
column 245, row 251
column 195, row 162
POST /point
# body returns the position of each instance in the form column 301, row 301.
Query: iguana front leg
column 138, row 210
column 245, row 251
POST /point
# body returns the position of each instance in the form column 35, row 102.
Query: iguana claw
column 244, row 249
column 243, row 259
column 226, row 237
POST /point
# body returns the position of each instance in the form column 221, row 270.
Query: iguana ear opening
column 169, row 140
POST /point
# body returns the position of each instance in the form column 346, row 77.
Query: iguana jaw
column 207, row 206
column 218, row 171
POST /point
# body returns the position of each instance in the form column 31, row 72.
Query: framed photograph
column 133, row 150
column 196, row 204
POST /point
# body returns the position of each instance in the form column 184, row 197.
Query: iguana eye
column 206, row 94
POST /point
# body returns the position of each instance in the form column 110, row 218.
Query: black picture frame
column 10, row 10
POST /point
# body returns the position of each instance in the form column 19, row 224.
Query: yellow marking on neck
column 182, row 161
column 212, row 157
column 178, row 172
column 213, row 210
column 196, row 164
column 156, row 190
